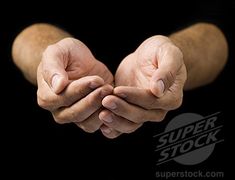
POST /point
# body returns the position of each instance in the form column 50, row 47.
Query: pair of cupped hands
column 77, row 88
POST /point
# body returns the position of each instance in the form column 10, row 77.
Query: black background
column 33, row 145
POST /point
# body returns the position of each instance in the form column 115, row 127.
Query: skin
column 149, row 82
column 72, row 84
column 156, row 77
column 29, row 45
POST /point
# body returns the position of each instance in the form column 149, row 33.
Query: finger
column 85, row 107
column 75, row 91
column 131, row 112
column 118, row 123
column 145, row 99
column 92, row 123
column 53, row 67
column 78, row 89
column 169, row 59
column 109, row 132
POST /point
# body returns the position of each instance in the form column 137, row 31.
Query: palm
column 80, row 68
column 81, row 62
column 134, row 71
column 139, row 69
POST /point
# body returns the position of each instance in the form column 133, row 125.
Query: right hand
column 72, row 84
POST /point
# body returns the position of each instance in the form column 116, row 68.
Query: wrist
column 29, row 45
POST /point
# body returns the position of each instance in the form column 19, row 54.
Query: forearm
column 29, row 45
column 205, row 52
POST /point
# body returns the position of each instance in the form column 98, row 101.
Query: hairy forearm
column 29, row 45
column 203, row 45
column 205, row 53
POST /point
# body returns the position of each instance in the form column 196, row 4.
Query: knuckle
column 42, row 103
column 65, row 116
column 60, row 119
column 177, row 101
column 46, row 101
column 42, row 100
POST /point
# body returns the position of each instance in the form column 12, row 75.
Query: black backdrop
column 32, row 144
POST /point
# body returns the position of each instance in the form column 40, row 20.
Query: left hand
column 149, row 83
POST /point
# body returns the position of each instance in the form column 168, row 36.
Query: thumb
column 161, row 81
column 59, row 82
column 169, row 60
column 53, row 70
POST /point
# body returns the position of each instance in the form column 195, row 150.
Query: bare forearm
column 30, row 43
column 205, row 53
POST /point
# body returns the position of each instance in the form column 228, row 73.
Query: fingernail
column 161, row 86
column 55, row 82
column 94, row 85
column 111, row 105
column 108, row 119
column 107, row 131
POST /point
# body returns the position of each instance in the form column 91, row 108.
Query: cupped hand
column 148, row 83
column 72, row 84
